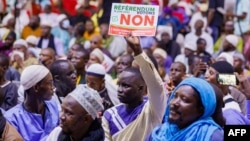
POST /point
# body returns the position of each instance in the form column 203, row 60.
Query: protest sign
column 140, row 20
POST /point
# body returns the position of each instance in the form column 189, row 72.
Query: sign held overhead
column 140, row 20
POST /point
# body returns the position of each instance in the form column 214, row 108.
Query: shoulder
column 14, row 112
column 10, row 86
column 113, row 111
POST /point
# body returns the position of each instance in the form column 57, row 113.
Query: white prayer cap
column 61, row 17
column 20, row 42
column 229, row 58
column 32, row 40
column 98, row 53
column 46, row 23
column 190, row 46
column 161, row 52
column 232, row 39
column 19, row 53
column 33, row 74
column 97, row 70
column 88, row 98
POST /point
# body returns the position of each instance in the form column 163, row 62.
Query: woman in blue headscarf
column 188, row 115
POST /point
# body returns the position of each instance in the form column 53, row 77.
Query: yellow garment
column 78, row 79
column 27, row 31
column 88, row 36
column 219, row 43
column 153, row 111
column 6, row 33
column 95, row 18
column 26, row 63
column 115, row 81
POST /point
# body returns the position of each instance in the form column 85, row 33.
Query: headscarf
column 201, row 129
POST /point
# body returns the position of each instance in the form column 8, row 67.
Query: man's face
column 165, row 37
column 9, row 41
column 20, row 48
column 129, row 88
column 34, row 21
column 72, row 116
column 225, row 45
column 89, row 26
column 78, row 60
column 47, row 9
column 159, row 59
column 104, row 29
column 68, row 75
column 95, row 83
column 95, row 42
column 237, row 63
column 177, row 72
column 72, row 50
column 199, row 25
column 46, row 58
column 229, row 28
column 46, row 87
column 184, row 107
column 45, row 30
column 188, row 52
column 123, row 63
column 201, row 45
column 211, row 76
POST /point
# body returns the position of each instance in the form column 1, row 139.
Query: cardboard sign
column 107, row 63
column 140, row 20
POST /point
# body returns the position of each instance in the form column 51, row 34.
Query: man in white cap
column 95, row 79
column 160, row 56
column 189, row 49
column 229, row 45
column 79, row 117
column 48, row 40
column 199, row 32
column 96, row 56
column 48, row 15
column 38, row 115
column 21, row 45
column 32, row 44
column 166, row 41
column 239, row 64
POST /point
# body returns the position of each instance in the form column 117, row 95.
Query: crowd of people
column 64, row 78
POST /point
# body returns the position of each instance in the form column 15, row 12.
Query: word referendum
column 150, row 10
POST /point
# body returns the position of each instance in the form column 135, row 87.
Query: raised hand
column 134, row 43
column 244, row 85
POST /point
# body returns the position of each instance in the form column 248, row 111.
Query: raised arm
column 155, row 86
